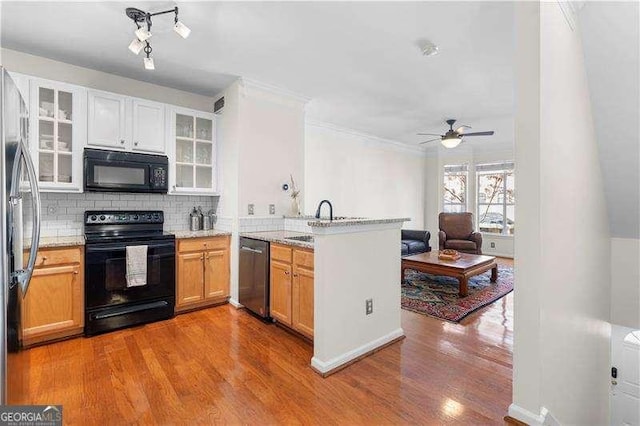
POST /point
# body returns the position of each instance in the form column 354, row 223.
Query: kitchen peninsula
column 354, row 260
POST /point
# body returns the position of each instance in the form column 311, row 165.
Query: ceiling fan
column 452, row 138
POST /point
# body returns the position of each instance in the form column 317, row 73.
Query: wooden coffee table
column 464, row 268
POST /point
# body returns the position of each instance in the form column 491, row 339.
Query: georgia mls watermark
column 30, row 415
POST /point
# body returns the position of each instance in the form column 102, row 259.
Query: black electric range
column 110, row 303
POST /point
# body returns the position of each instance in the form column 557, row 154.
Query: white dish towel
column 136, row 266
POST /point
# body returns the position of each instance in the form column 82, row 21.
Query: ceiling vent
column 218, row 106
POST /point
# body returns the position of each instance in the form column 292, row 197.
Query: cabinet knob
column 44, row 258
column 135, row 143
column 202, row 257
column 75, row 272
column 122, row 141
column 286, row 272
column 295, row 275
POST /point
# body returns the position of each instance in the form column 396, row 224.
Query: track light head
column 148, row 64
column 143, row 34
column 181, row 29
column 136, row 46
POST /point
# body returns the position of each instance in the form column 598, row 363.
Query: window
column 496, row 198
column 455, row 189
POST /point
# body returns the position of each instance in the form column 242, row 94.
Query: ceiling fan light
column 451, row 142
column 136, row 46
column 148, row 64
column 143, row 34
column 181, row 29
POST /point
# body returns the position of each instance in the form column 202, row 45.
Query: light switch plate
column 250, row 209
column 272, row 209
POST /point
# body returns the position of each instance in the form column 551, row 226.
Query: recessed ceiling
column 360, row 62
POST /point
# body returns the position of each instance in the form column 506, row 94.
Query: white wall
column 261, row 142
column 342, row 330
column 59, row 71
column 363, row 176
column 561, row 334
column 272, row 148
column 625, row 282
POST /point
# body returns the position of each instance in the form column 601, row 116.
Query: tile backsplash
column 63, row 214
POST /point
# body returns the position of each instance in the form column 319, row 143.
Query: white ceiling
column 611, row 41
column 358, row 61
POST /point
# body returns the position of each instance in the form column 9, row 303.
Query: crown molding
column 248, row 85
column 398, row 146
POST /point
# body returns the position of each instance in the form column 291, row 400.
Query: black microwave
column 125, row 172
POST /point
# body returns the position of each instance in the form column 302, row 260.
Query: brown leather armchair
column 456, row 232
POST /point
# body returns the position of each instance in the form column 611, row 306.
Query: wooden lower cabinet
column 53, row 307
column 190, row 278
column 280, row 292
column 202, row 272
column 291, row 288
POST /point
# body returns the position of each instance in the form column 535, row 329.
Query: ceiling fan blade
column 489, row 133
column 460, row 129
column 428, row 134
column 431, row 140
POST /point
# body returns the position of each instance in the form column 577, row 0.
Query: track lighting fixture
column 143, row 32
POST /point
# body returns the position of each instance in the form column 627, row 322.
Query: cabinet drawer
column 56, row 256
column 281, row 253
column 201, row 244
column 303, row 258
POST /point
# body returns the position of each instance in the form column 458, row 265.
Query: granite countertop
column 199, row 234
column 280, row 237
column 49, row 242
column 325, row 223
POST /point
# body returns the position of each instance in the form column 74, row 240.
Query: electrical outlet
column 250, row 209
column 369, row 306
column 272, row 209
column 493, row 245
column 52, row 209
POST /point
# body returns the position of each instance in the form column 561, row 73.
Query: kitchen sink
column 303, row 238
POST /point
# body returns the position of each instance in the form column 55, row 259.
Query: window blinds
column 495, row 167
column 456, row 168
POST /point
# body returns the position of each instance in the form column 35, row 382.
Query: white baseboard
column 493, row 253
column 332, row 364
column 235, row 303
column 526, row 416
column 545, row 418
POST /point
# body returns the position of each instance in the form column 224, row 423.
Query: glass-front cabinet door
column 194, row 152
column 58, row 134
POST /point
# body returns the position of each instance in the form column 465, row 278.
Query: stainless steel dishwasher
column 254, row 276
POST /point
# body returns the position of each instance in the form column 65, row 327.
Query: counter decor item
column 194, row 220
column 213, row 217
column 295, row 202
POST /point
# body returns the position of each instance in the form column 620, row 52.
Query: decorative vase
column 295, row 206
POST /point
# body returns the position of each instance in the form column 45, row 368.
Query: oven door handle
column 90, row 248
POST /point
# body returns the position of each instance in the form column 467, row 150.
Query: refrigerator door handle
column 23, row 276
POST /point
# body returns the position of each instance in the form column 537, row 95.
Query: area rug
column 437, row 296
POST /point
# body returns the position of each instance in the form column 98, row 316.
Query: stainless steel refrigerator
column 20, row 200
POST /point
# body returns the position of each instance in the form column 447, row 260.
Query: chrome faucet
column 320, row 207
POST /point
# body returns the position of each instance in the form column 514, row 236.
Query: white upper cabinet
column 130, row 124
column 148, row 126
column 107, row 120
column 193, row 152
column 57, row 135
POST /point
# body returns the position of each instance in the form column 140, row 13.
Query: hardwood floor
column 221, row 365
